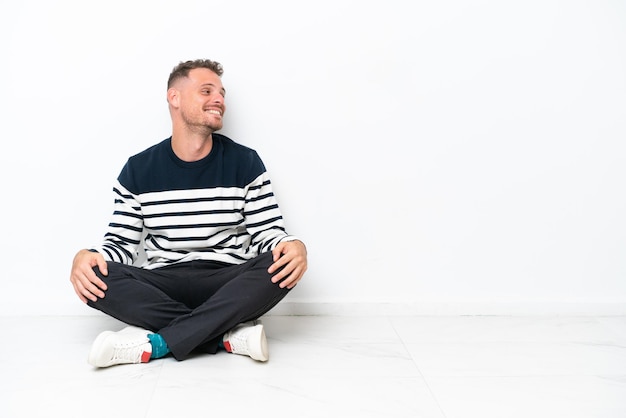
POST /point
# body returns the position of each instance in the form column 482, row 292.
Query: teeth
column 215, row 112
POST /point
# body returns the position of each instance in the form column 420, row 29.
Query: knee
column 114, row 270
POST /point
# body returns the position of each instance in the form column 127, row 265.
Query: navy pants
column 193, row 304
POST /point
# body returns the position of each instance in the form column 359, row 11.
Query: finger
column 292, row 280
column 78, row 291
column 91, row 276
column 104, row 269
column 277, row 252
column 93, row 285
column 295, row 276
column 278, row 263
column 94, row 291
column 286, row 269
column 83, row 292
column 290, row 275
column 98, row 283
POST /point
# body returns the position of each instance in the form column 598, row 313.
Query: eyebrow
column 223, row 90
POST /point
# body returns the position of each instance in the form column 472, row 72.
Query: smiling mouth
column 215, row 112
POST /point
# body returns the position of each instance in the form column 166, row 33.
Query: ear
column 173, row 97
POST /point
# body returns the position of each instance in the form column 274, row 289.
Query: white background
column 438, row 157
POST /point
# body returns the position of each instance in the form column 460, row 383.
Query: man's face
column 200, row 99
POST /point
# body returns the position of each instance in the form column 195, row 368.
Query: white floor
column 322, row 366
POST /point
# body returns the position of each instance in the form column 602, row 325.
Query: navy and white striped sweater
column 220, row 208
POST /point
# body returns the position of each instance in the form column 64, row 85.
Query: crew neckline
column 191, row 164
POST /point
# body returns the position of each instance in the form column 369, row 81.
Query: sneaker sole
column 258, row 335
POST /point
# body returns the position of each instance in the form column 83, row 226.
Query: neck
column 191, row 146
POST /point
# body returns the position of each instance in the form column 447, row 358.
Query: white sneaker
column 247, row 339
column 130, row 345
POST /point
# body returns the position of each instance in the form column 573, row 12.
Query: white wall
column 436, row 157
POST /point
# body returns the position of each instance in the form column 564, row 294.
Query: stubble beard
column 201, row 123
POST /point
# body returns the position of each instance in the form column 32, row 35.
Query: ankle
column 159, row 346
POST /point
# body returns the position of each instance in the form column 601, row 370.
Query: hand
column 87, row 285
column 292, row 256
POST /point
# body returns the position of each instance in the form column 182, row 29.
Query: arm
column 263, row 219
column 123, row 235
column 266, row 226
column 120, row 244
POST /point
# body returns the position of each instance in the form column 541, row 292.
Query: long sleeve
column 123, row 236
column 264, row 221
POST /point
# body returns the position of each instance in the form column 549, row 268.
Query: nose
column 218, row 98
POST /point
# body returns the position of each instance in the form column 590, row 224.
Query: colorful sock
column 159, row 346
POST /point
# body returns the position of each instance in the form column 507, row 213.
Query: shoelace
column 239, row 341
column 128, row 353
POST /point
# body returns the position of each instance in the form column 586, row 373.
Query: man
column 217, row 253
